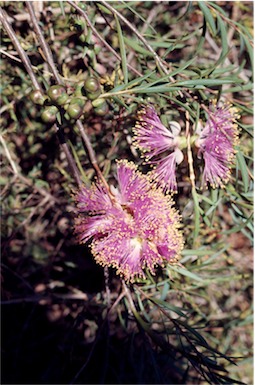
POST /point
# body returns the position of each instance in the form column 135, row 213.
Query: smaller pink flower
column 216, row 145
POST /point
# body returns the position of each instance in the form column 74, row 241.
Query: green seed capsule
column 37, row 97
column 55, row 92
column 74, row 111
column 49, row 114
column 75, row 108
column 92, row 85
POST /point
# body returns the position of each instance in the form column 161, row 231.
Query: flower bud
column 49, row 114
column 98, row 102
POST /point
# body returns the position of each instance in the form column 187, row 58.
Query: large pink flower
column 153, row 139
column 135, row 229
column 217, row 145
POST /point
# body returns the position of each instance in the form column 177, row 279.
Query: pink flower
column 216, row 143
column 153, row 139
column 135, row 229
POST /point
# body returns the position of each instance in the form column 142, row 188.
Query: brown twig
column 83, row 13
column 12, row 163
column 91, row 154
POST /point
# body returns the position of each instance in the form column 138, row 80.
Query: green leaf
column 208, row 16
column 186, row 273
column 244, row 170
column 199, row 253
column 249, row 49
column 77, row 159
column 168, row 306
column 134, row 82
column 132, row 43
column 224, row 38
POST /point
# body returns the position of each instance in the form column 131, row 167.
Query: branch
column 189, row 153
column 12, row 163
column 69, row 157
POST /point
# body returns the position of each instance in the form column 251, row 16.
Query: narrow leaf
column 185, row 272
column 244, row 170
column 208, row 16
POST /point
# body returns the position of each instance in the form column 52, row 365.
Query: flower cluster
column 216, row 144
column 133, row 228
column 153, row 139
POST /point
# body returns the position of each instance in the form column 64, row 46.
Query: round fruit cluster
column 71, row 107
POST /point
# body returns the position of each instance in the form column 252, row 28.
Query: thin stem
column 107, row 287
column 34, row 68
column 189, row 153
column 13, row 165
column 83, row 13
column 193, row 184
column 43, row 43
column 19, row 49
